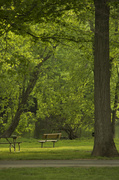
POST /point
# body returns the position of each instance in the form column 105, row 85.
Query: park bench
column 12, row 143
column 54, row 137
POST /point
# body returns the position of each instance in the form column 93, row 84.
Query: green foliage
column 26, row 124
column 60, row 92
column 64, row 89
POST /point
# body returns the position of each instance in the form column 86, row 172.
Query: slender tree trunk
column 37, row 130
column 103, row 141
column 24, row 98
column 114, row 111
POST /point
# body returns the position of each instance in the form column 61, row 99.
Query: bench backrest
column 52, row 136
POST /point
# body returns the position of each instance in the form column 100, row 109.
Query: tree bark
column 103, row 141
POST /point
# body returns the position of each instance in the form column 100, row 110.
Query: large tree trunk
column 103, row 141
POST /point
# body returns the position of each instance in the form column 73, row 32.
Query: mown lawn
column 64, row 173
column 64, row 149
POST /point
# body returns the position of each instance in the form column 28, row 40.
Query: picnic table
column 11, row 141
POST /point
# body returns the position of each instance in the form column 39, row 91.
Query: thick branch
column 25, row 95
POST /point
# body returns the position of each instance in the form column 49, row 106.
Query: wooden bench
column 11, row 143
column 54, row 137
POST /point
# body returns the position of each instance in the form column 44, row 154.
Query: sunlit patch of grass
column 64, row 149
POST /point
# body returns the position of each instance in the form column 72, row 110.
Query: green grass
column 60, row 174
column 64, row 149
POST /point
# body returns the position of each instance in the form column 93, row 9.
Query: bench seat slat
column 52, row 140
column 5, row 143
column 10, row 142
column 42, row 141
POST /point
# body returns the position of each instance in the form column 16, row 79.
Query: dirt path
column 58, row 163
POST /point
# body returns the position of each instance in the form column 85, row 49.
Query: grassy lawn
column 60, row 174
column 64, row 149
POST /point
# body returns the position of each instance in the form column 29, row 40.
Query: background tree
column 65, row 100
column 58, row 15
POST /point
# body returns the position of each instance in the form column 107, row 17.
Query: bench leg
column 19, row 146
column 41, row 144
column 14, row 147
column 10, row 147
column 53, row 144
